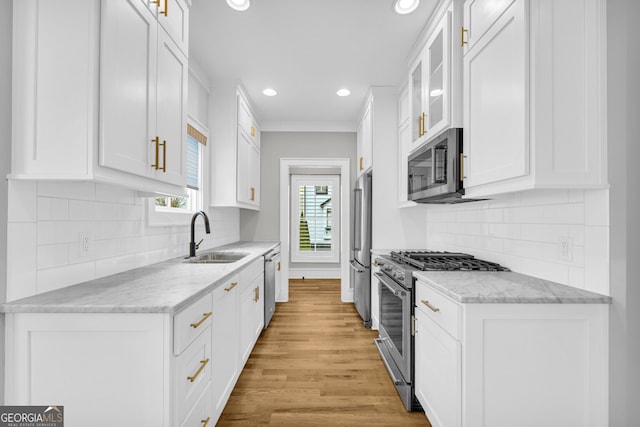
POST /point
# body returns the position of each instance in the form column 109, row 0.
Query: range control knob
column 399, row 276
column 386, row 267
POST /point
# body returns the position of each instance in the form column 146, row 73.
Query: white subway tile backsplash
column 563, row 214
column 50, row 209
column 523, row 215
column 21, row 260
column 596, row 207
column 81, row 210
column 46, row 219
column 105, row 267
column 23, row 201
column 52, row 255
column 548, row 233
column 59, row 277
column 523, row 231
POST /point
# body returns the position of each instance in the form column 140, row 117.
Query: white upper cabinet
column 142, row 132
column 430, row 82
column 364, row 142
column 235, row 150
column 404, row 145
column 534, row 103
column 94, row 84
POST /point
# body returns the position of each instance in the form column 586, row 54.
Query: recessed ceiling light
column 270, row 92
column 404, row 7
column 436, row 92
column 343, row 92
column 239, row 4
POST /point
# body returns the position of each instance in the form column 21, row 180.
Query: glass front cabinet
column 429, row 84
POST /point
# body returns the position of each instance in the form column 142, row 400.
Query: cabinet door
column 438, row 379
column 438, row 93
column 225, row 347
column 171, row 110
column 254, row 167
column 128, row 86
column 495, row 103
column 417, row 113
column 251, row 316
column 244, row 160
column 173, row 16
column 364, row 141
column 479, row 16
column 404, row 139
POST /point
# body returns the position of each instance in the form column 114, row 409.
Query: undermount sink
column 217, row 258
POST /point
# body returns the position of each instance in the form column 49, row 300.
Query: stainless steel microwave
column 434, row 170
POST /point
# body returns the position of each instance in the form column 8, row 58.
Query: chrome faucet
column 193, row 245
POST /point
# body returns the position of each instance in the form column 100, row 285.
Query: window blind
column 193, row 163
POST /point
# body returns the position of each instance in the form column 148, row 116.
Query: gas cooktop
column 444, row 261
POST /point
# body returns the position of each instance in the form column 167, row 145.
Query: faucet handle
column 198, row 244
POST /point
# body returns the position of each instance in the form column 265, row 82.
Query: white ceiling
column 306, row 50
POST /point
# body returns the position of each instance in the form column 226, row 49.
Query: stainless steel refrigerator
column 361, row 247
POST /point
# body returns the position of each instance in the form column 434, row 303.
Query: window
column 164, row 207
column 315, row 230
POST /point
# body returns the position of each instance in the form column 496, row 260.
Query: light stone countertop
column 505, row 287
column 165, row 287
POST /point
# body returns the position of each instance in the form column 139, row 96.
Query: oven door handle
column 383, row 279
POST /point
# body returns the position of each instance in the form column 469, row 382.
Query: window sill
column 167, row 217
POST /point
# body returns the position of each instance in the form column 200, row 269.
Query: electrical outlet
column 84, row 239
column 566, row 248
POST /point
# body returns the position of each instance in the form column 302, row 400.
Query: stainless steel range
column 397, row 304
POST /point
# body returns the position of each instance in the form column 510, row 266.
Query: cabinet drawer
column 202, row 412
column 439, row 308
column 250, row 273
column 192, row 374
column 190, row 322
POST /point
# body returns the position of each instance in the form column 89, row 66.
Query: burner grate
column 445, row 261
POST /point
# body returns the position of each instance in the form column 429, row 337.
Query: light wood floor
column 316, row 365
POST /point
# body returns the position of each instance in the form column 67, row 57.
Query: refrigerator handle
column 357, row 219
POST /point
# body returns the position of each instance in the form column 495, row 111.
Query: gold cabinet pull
column 205, row 423
column 233, row 285
column 205, row 316
column 462, row 40
column 413, row 326
column 164, row 155
column 253, row 131
column 420, row 125
column 462, row 175
column 157, row 2
column 165, row 12
column 157, row 141
column 278, row 265
column 253, row 194
column 431, row 306
column 257, row 292
column 361, row 160
column 203, row 363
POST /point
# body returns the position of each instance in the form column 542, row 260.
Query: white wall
column 624, row 176
column 45, row 219
column 522, row 231
column 265, row 224
column 5, row 155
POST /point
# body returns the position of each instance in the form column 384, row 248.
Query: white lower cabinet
column 149, row 369
column 226, row 343
column 500, row 365
column 251, row 307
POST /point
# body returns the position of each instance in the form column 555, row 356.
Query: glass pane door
column 436, row 80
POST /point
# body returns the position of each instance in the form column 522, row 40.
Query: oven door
column 395, row 323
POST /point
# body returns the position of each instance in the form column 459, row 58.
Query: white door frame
column 286, row 165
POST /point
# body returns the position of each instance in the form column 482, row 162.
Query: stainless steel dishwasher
column 270, row 261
